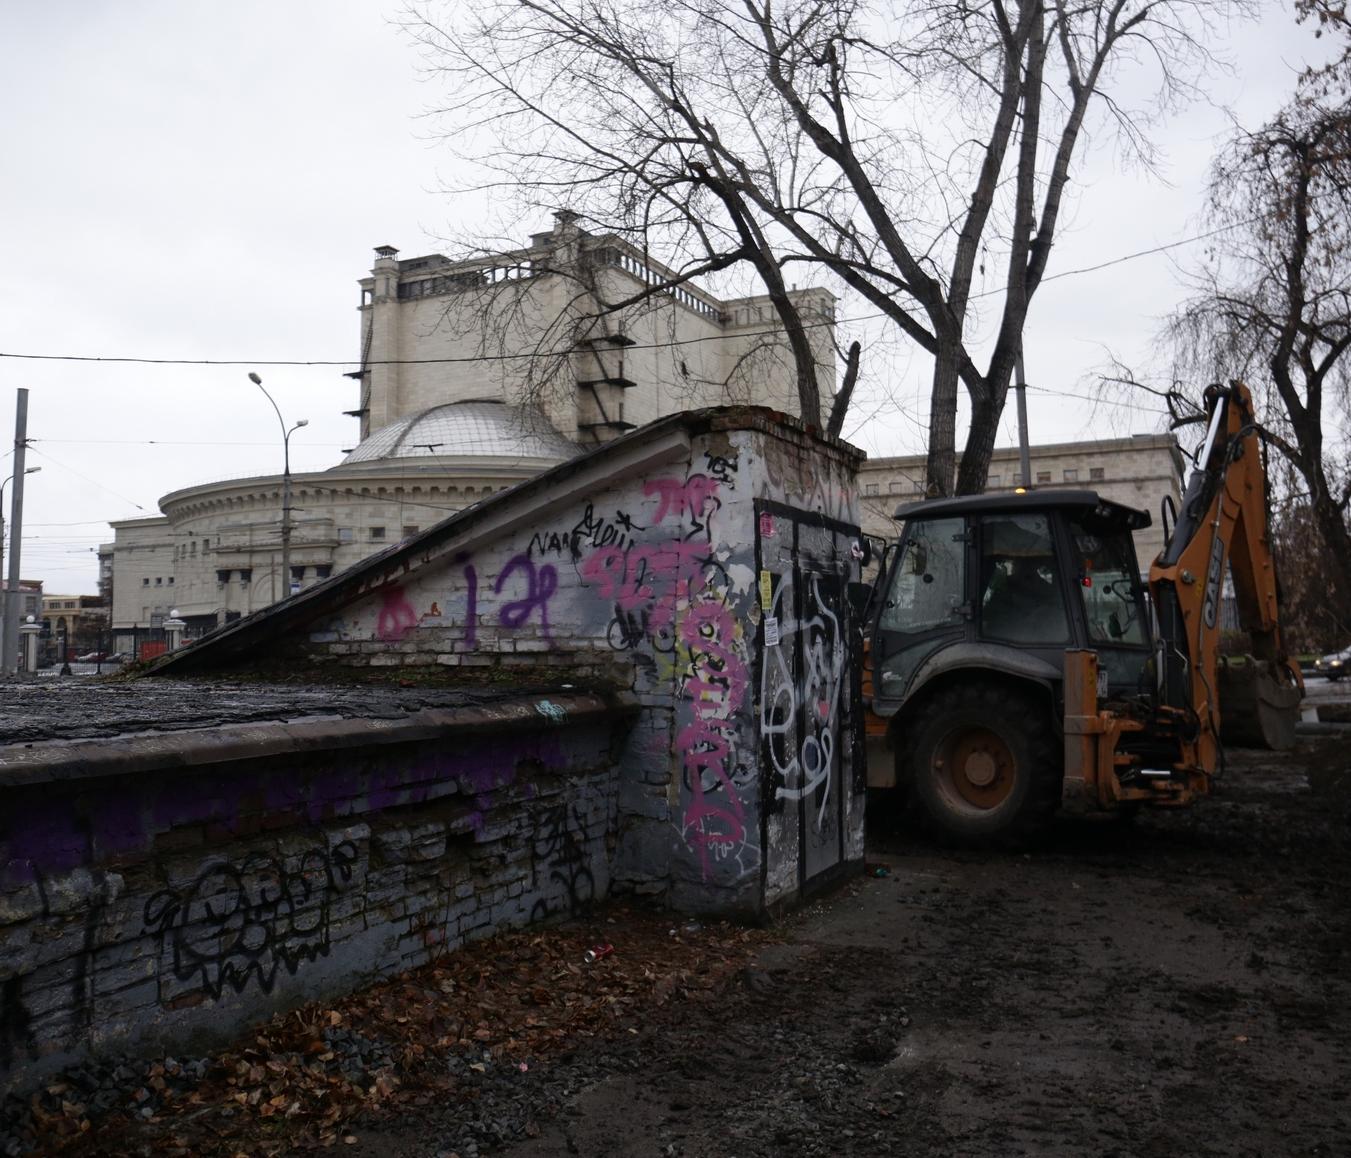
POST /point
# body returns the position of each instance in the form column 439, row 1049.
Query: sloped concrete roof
column 666, row 439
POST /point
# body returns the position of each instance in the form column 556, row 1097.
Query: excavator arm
column 1223, row 522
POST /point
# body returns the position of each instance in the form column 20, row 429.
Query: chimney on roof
column 385, row 251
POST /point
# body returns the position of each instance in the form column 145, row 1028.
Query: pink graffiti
column 657, row 576
column 397, row 617
column 715, row 818
column 682, row 497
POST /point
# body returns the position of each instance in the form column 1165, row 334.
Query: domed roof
column 466, row 428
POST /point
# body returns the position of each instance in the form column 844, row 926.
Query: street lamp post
column 285, row 483
column 4, row 587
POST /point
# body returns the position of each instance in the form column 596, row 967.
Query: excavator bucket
column 1257, row 708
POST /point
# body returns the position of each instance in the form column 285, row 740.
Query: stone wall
column 172, row 906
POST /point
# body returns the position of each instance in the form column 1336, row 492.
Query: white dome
column 474, row 429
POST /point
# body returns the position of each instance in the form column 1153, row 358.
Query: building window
column 895, row 488
column 171, row 580
column 145, row 582
column 871, row 489
column 206, row 546
column 222, row 577
column 193, row 549
column 409, row 532
column 323, row 571
column 297, row 573
column 246, row 577
column 1097, row 473
column 1043, row 476
column 1071, row 475
column 993, row 482
column 344, row 534
column 159, row 580
column 377, row 534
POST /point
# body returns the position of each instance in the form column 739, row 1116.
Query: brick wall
column 648, row 580
column 165, row 908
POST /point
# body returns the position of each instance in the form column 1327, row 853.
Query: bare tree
column 910, row 154
column 1272, row 301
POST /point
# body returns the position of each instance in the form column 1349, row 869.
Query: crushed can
column 596, row 952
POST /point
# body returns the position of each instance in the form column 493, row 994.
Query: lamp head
column 173, row 613
column 253, row 377
column 32, row 470
column 302, row 422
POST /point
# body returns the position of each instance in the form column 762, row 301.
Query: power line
column 161, row 442
column 530, row 354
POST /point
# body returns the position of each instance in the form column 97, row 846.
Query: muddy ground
column 1179, row 985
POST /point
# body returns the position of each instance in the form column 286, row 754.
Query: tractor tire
column 984, row 763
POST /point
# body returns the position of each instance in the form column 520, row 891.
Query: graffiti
column 540, row 584
column 696, row 496
column 589, row 532
column 470, row 600
column 629, row 629
column 397, row 617
column 722, row 469
column 550, row 543
column 811, row 701
column 560, row 848
column 714, row 821
column 655, row 577
column 672, row 594
column 251, row 920
column 592, row 530
column 551, row 711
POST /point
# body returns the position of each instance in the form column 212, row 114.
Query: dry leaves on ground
column 303, row 1078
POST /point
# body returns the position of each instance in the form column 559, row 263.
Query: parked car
column 91, row 657
column 1334, row 665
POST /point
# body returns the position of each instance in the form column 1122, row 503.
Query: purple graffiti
column 540, row 584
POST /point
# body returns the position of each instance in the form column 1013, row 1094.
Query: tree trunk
column 980, row 440
column 940, row 466
column 1331, row 524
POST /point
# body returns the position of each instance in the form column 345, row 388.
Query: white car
column 1335, row 665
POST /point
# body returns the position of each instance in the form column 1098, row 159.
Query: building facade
column 72, row 624
column 475, row 375
column 1139, row 471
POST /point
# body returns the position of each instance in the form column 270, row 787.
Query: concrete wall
column 146, row 904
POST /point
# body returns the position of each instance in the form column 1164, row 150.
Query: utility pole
column 4, row 587
column 10, row 659
column 285, row 486
column 1020, row 385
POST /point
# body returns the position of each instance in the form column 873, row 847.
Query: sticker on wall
column 766, row 590
column 766, row 525
column 771, row 631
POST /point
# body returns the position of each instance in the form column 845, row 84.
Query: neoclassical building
column 474, row 375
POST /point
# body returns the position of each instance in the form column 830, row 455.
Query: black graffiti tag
column 248, row 921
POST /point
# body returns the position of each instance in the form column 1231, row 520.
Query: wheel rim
column 974, row 768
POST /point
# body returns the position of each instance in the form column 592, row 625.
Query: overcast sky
column 186, row 180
